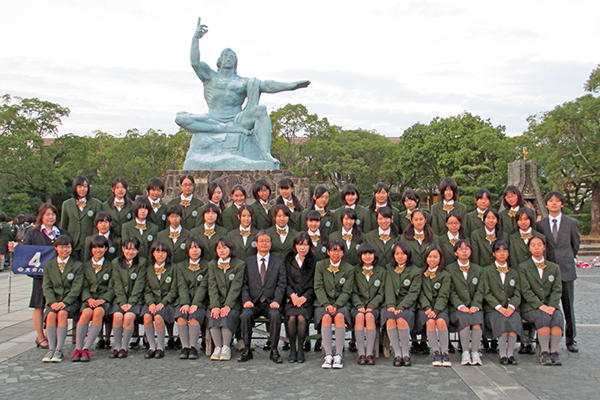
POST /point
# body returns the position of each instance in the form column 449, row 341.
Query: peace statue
column 229, row 137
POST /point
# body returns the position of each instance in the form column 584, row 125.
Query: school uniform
column 119, row 215
column 296, row 213
column 300, row 280
column 219, row 221
column 481, row 245
column 279, row 247
column 371, row 222
column 176, row 240
column 383, row 242
column 192, row 289
column 96, row 283
column 446, row 242
column 128, row 284
column 403, row 221
column 502, row 290
column 435, row 293
column 518, row 243
column 62, row 286
column 473, row 221
column 537, row 291
column 466, row 291
column 145, row 232
column 229, row 218
column 402, row 291
column 156, row 214
column 261, row 215
column 333, row 288
column 369, row 289
column 192, row 208
column 319, row 245
column 225, row 289
column 244, row 241
column 114, row 245
column 161, row 290
column 327, row 221
column 508, row 220
column 79, row 222
column 362, row 216
column 208, row 238
column 351, row 245
column 441, row 209
column 418, row 250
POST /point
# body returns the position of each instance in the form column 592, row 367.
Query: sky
column 381, row 66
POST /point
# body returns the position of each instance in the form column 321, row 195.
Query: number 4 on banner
column 36, row 260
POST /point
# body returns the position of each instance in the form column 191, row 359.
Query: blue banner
column 30, row 260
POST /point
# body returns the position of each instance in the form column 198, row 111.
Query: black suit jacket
column 275, row 281
column 564, row 250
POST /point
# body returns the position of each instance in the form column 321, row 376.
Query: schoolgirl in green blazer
column 449, row 202
column 243, row 235
column 140, row 226
column 118, row 205
column 350, row 234
column 188, row 201
column 175, row 235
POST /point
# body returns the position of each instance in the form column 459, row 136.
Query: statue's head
column 227, row 59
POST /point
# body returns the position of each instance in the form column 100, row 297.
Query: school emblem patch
column 475, row 280
column 357, row 221
column 112, row 250
column 168, row 279
column 551, row 278
column 342, row 281
column 324, row 249
column 199, row 277
column 182, row 247
column 150, row 238
column 512, row 282
column 128, row 215
column 194, row 213
column 406, row 282
column 164, row 217
column 231, row 276
column 70, row 276
column 133, row 275
column 90, row 213
column 253, row 244
column 328, row 223
column 437, row 285
column 106, row 277
column 377, row 283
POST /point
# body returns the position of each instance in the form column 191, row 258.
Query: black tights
column 296, row 328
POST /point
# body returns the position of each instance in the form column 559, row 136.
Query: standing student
column 300, row 273
column 474, row 219
column 155, row 189
column 449, row 202
column 419, row 236
column 225, row 280
column 562, row 238
column 215, row 197
column 411, row 201
column 192, row 289
column 102, row 223
column 518, row 241
column 384, row 236
column 350, row 235
column 190, row 203
column 447, row 240
column 318, row 202
column 367, row 298
column 78, row 213
column 381, row 198
column 289, row 199
column 483, row 239
column 261, row 208
column 501, row 302
column 118, row 205
column 402, row 290
column 243, row 235
column 97, row 295
column 209, row 232
column 433, row 306
column 140, row 227
column 318, row 239
column 175, row 235
column 229, row 217
column 512, row 200
column 350, row 197
column 541, row 290
column 128, row 282
column 466, row 302
column 333, row 286
column 282, row 235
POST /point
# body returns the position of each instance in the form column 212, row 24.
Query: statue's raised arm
column 202, row 69
column 275, row 87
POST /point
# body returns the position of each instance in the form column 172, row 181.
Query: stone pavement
column 23, row 376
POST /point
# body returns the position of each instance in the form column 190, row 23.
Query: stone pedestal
column 523, row 174
column 227, row 179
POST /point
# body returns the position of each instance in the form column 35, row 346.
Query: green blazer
column 333, row 289
column 369, row 294
column 417, row 251
column 62, row 287
column 118, row 217
column 243, row 251
column 536, row 292
column 384, row 250
column 472, row 222
column 129, row 283
column 158, row 218
column 470, row 291
column 146, row 239
column 97, row 285
column 278, row 248
column 403, row 220
column 362, row 213
column 114, row 246
column 79, row 224
column 163, row 291
column 447, row 248
column 519, row 251
column 438, row 216
column 190, row 213
column 402, row 290
column 192, row 286
column 371, row 222
column 208, row 243
column 435, row 292
column 350, row 252
column 261, row 218
column 327, row 222
column 229, row 219
column 178, row 250
column 319, row 250
column 498, row 294
column 482, row 249
column 225, row 287
column 509, row 224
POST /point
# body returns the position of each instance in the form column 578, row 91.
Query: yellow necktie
column 173, row 235
column 119, row 204
column 448, row 207
column 96, row 267
column 347, row 238
column 155, row 205
column 541, row 265
column 384, row 237
column 490, row 237
column 160, row 271
column 266, row 206
column 61, row 266
column 333, row 269
column 290, row 206
column 453, row 241
column 480, row 215
column 194, row 267
column 429, row 274
column 224, row 266
column 367, row 272
column 407, row 216
column 512, row 213
column 81, row 203
column 140, row 226
column 419, row 236
column 465, row 268
column 185, row 203
column 526, row 236
column 322, row 212
column 281, row 232
column 209, row 232
column 244, row 233
column 503, row 269
column 314, row 238
column 399, row 269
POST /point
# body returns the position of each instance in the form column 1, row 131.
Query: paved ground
column 23, row 376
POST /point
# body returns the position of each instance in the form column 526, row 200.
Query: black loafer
column 275, row 357
column 572, row 347
column 159, row 354
column 246, row 355
column 149, row 354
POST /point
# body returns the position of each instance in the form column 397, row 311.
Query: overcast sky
column 375, row 65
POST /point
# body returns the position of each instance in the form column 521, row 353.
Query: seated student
column 192, row 289
column 300, row 274
column 282, row 235
column 474, row 219
column 367, row 297
column 449, row 202
column 334, row 283
column 102, row 223
column 97, row 295
column 411, row 201
column 419, row 236
column 289, row 199
column 318, row 202
column 118, row 205
column 466, row 301
column 447, row 240
column 174, row 235
column 513, row 201
column 350, row 197
column 483, row 239
column 350, row 235
column 229, row 217
column 384, row 236
column 225, row 280
column 318, row 239
column 140, row 227
column 433, row 305
column 402, row 290
column 243, row 235
column 541, row 290
column 159, row 295
column 128, row 282
column 209, row 232
column 261, row 208
column 155, row 189
column 62, row 284
column 501, row 301
column 190, row 203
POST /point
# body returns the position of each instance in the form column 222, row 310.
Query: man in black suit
column 562, row 237
column 262, row 294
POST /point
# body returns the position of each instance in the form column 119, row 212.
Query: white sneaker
column 216, row 355
column 57, row 357
column 475, row 358
column 466, row 358
column 225, row 353
column 337, row 362
column 327, row 361
column 48, row 357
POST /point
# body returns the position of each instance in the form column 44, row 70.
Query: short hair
column 483, row 192
column 498, row 228
column 245, row 207
column 528, row 212
column 378, row 187
column 226, row 241
column 367, row 247
column 262, row 232
column 63, row 240
column 258, row 186
column 192, row 240
column 211, row 207
column 405, row 249
column 79, row 181
column 512, row 189
column 280, row 207
column 187, row 176
column 349, row 188
column 122, row 180
column 449, row 182
column 499, row 245
column 411, row 195
column 537, row 237
column 174, row 209
column 155, row 183
column 102, row 216
column 313, row 215
column 301, row 237
column 160, row 245
column 430, row 249
column 139, row 203
column 460, row 242
column 555, row 193
column 99, row 241
column 240, row 188
column 220, row 59
column 335, row 243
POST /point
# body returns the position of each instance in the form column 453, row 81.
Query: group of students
column 372, row 268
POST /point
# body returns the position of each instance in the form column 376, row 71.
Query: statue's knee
column 181, row 118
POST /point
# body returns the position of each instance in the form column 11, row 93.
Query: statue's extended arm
column 201, row 68
column 274, row 87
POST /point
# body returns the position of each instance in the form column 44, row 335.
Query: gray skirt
column 422, row 319
column 166, row 313
column 320, row 312
column 291, row 310
column 72, row 311
column 231, row 321
column 199, row 315
column 540, row 319
column 105, row 306
column 375, row 313
column 461, row 320
column 496, row 324
column 408, row 315
column 135, row 309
